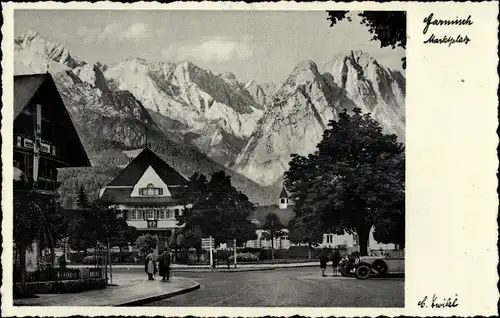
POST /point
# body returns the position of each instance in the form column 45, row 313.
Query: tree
column 387, row 27
column 101, row 224
column 126, row 236
column 391, row 229
column 217, row 209
column 146, row 241
column 26, row 225
column 272, row 228
column 57, row 226
column 354, row 180
column 81, row 237
column 189, row 238
column 82, row 200
column 305, row 230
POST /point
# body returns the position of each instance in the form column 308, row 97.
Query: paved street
column 294, row 287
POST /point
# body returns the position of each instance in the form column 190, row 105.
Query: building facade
column 45, row 140
column 147, row 191
column 284, row 209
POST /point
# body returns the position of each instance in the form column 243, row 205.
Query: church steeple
column 283, row 199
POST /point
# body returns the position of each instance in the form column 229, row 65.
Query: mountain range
column 198, row 120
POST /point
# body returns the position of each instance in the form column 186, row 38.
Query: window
column 355, row 240
column 177, row 212
column 283, row 201
column 170, row 214
column 134, row 215
column 329, row 238
column 161, row 214
column 150, row 214
column 150, row 191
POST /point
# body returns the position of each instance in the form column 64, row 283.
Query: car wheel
column 363, row 272
column 380, row 267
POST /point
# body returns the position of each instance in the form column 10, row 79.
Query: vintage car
column 392, row 262
column 347, row 267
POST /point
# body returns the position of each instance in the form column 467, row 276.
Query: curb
column 151, row 299
column 243, row 270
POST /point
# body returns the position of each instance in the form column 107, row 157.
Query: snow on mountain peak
column 307, row 65
column 307, row 101
column 44, row 50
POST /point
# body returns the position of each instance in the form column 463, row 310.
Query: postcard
column 243, row 160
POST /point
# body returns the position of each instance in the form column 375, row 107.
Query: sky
column 261, row 45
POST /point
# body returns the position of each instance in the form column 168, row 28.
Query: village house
column 45, row 140
column 147, row 191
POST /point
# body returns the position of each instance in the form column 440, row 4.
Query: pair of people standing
column 163, row 264
column 326, row 255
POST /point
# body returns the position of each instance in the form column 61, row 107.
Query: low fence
column 59, row 274
column 51, row 274
column 93, row 273
column 60, row 286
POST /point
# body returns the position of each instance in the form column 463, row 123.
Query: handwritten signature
column 438, row 302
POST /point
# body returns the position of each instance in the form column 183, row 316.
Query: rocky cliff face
column 372, row 87
column 259, row 93
column 212, row 112
column 35, row 53
column 301, row 109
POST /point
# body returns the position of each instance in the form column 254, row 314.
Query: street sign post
column 235, row 253
column 208, row 244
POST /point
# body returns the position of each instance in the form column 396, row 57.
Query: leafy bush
column 76, row 257
column 222, row 255
column 146, row 242
column 245, row 257
column 125, row 257
column 91, row 260
column 251, row 250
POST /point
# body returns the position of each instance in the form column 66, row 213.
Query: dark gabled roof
column 260, row 213
column 40, row 87
column 25, row 87
column 131, row 174
column 283, row 193
column 122, row 196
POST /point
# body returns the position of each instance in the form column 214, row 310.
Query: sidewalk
column 221, row 267
column 132, row 290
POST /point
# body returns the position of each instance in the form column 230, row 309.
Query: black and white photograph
column 211, row 158
column 227, row 158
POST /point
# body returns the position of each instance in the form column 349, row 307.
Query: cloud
column 136, row 31
column 114, row 32
column 215, row 49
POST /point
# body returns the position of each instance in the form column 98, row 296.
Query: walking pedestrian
column 164, row 265
column 150, row 265
column 323, row 258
